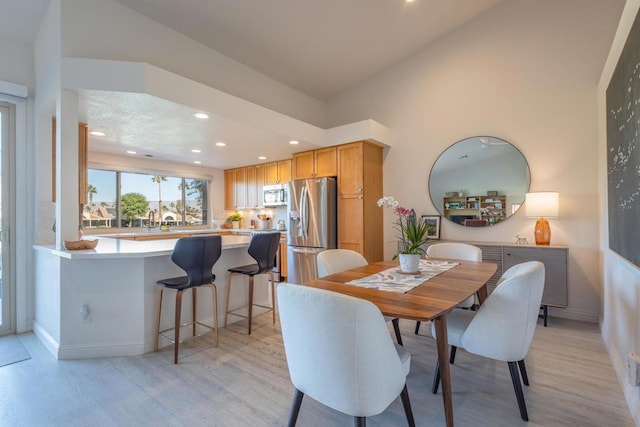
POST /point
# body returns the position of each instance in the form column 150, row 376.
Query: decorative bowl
column 78, row 245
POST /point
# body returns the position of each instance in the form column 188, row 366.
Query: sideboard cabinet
column 554, row 258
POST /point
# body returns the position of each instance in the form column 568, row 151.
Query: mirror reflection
column 479, row 181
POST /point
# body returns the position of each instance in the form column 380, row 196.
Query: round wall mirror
column 479, row 181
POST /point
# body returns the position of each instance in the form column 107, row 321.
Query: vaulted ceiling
column 322, row 48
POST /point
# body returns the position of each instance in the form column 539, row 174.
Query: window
column 127, row 199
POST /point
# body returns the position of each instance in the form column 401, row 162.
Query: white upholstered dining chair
column 348, row 362
column 334, row 261
column 454, row 250
column 503, row 327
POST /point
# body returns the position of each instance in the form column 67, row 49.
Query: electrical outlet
column 85, row 314
column 633, row 360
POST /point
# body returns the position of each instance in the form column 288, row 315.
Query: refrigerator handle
column 304, row 206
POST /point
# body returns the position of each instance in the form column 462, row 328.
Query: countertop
column 120, row 248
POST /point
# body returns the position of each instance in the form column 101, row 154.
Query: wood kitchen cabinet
column 315, row 164
column 359, row 175
column 255, row 183
column 235, row 188
column 83, row 181
column 243, row 186
column 277, row 172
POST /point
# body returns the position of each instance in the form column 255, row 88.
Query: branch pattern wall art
column 623, row 150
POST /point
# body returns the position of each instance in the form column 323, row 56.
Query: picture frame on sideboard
column 433, row 222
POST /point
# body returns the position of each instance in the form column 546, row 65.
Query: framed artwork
column 623, row 150
column 433, row 223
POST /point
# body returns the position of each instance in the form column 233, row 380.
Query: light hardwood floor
column 245, row 382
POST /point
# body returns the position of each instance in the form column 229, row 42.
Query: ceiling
column 321, row 48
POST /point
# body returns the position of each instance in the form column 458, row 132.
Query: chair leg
column 158, row 311
column 515, row 378
column 417, row 328
column 360, row 421
column 194, row 304
column 523, row 372
column 396, row 329
column 176, row 338
column 406, row 404
column 250, row 307
column 295, row 408
column 436, row 379
column 226, row 304
column 214, row 309
column 452, row 356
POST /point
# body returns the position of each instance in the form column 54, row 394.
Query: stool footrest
column 233, row 312
column 167, row 337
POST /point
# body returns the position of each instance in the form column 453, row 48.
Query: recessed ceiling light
column 131, row 152
column 97, row 133
column 220, row 144
column 197, row 162
column 294, row 142
column 201, row 115
column 195, row 150
column 409, row 1
column 262, row 158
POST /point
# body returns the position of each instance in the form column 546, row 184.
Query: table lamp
column 542, row 205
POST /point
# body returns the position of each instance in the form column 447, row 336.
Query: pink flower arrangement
column 412, row 231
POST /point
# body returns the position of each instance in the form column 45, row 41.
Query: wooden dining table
column 432, row 300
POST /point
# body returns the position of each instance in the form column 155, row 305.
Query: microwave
column 275, row 195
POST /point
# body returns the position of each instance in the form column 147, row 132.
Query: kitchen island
column 116, row 283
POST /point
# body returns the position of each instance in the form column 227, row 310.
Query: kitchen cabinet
column 315, row 164
column 83, row 138
column 359, row 175
column 241, row 188
column 255, row 183
column 235, row 188
column 277, row 172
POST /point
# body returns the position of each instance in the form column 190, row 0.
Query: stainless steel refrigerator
column 312, row 215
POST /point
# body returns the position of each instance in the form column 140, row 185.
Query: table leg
column 482, row 294
column 442, row 344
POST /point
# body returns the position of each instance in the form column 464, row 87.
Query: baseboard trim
column 45, row 338
column 573, row 314
column 86, row 351
column 630, row 393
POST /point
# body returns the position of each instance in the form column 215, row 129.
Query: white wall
column 105, row 29
column 621, row 294
column 17, row 63
column 525, row 72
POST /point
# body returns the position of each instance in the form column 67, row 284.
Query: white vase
column 235, row 224
column 409, row 263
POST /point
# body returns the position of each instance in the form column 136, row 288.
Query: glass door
column 5, row 285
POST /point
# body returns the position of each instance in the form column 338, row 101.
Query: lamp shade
column 542, row 204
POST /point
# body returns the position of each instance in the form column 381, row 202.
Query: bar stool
column 263, row 248
column 196, row 256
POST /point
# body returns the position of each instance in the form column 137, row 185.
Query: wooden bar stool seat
column 263, row 248
column 196, row 256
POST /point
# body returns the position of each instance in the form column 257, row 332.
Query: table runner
column 393, row 280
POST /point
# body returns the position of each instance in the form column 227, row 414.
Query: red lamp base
column 542, row 232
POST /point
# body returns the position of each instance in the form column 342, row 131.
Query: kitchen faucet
column 152, row 219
